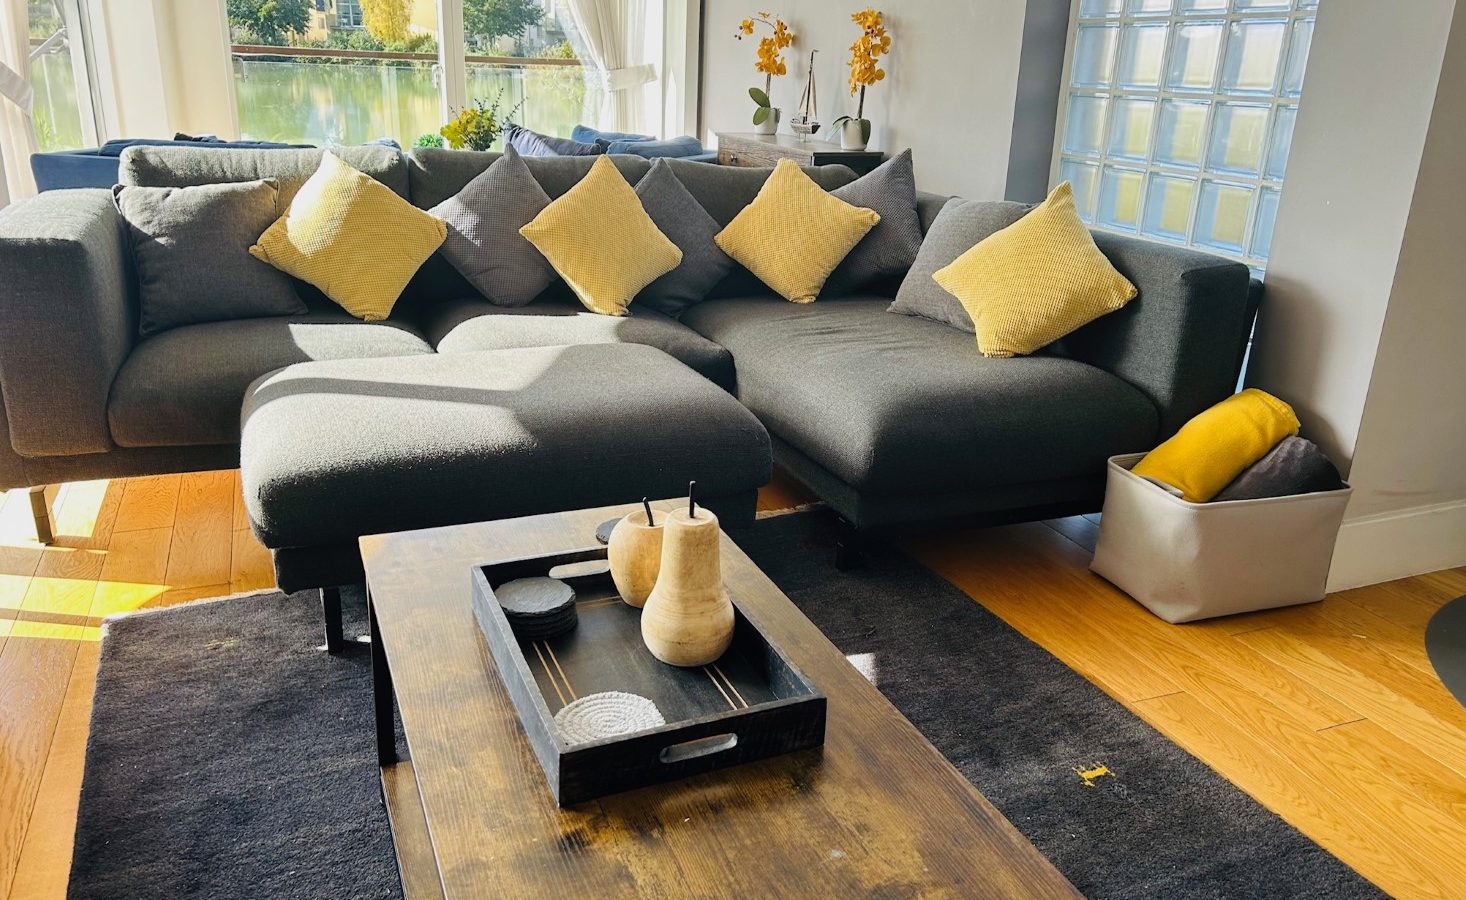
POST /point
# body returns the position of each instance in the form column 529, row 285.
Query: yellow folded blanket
column 1215, row 446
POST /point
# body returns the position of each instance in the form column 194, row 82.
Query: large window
column 62, row 107
column 1179, row 116
column 350, row 71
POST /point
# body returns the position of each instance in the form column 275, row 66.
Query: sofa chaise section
column 892, row 417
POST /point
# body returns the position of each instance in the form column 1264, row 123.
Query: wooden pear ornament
column 635, row 554
column 688, row 619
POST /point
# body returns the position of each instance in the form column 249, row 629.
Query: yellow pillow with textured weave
column 794, row 233
column 1035, row 281
column 598, row 236
column 351, row 236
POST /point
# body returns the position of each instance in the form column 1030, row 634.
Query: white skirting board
column 1398, row 544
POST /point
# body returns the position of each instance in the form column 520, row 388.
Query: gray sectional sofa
column 890, row 418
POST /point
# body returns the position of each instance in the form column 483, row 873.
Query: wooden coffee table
column 877, row 810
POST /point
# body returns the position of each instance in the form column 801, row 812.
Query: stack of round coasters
column 537, row 608
column 607, row 714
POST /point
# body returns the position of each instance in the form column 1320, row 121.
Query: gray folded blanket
column 1294, row 466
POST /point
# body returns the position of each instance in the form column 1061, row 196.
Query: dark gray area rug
column 229, row 758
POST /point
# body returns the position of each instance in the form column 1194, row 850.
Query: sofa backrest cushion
column 434, row 175
column 183, row 166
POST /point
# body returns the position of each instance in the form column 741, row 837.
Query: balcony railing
column 249, row 50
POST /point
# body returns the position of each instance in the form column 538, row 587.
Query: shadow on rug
column 229, row 758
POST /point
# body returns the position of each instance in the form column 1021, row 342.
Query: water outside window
column 53, row 78
column 1179, row 117
column 384, row 82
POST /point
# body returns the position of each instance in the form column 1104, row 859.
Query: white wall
column 949, row 91
column 1366, row 288
column 166, row 68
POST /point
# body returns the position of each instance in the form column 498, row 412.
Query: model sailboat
column 808, row 120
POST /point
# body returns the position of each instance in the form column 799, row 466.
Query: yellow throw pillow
column 349, row 235
column 794, row 233
column 598, row 236
column 1218, row 444
column 1035, row 281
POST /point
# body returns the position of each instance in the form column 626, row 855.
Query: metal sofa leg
column 331, row 613
column 41, row 511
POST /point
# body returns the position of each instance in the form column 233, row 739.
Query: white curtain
column 17, row 131
column 612, row 31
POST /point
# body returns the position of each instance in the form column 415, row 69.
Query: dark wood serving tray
column 750, row 704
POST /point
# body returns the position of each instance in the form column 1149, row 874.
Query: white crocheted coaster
column 607, row 714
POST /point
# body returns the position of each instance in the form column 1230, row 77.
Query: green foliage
column 429, row 140
column 485, row 21
column 759, row 97
column 562, row 50
column 269, row 21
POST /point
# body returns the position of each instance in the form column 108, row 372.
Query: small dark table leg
column 331, row 613
column 849, row 546
column 381, row 692
column 41, row 512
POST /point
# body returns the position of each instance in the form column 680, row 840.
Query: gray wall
column 1036, row 105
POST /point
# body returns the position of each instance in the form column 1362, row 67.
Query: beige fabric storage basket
column 1187, row 561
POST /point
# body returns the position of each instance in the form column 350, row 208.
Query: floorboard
column 1329, row 714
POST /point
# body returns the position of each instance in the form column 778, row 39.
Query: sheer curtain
column 17, row 131
column 613, row 33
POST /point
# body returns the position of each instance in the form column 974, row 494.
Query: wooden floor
column 1329, row 714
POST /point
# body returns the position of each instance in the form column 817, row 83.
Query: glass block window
column 1179, row 117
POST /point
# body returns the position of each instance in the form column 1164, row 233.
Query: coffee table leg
column 381, row 691
column 331, row 618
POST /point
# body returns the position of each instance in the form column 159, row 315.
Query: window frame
column 1274, row 100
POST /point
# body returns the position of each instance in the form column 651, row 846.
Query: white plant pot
column 852, row 136
column 769, row 125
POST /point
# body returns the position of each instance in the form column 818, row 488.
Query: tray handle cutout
column 715, row 743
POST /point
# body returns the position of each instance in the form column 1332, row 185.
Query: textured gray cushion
column 1295, row 466
column 463, row 326
column 484, row 243
column 724, row 190
column 144, row 166
column 683, row 220
column 890, row 248
column 66, row 319
column 897, row 405
column 184, row 386
column 450, row 438
column 435, row 175
column 191, row 249
column 957, row 229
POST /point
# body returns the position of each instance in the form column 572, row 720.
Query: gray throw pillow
column 957, row 228
column 683, row 220
column 191, row 249
column 484, row 243
column 890, row 248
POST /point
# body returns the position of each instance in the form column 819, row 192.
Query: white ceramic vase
column 688, row 619
column 769, row 125
column 635, row 554
column 852, row 135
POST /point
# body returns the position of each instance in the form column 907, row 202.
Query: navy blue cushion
column 532, row 143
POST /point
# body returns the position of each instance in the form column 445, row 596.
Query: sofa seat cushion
column 470, row 325
column 335, row 450
column 184, row 386
column 893, row 404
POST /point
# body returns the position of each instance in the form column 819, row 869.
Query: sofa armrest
column 67, row 319
column 1180, row 339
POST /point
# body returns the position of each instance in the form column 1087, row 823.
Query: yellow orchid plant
column 865, row 70
column 770, row 57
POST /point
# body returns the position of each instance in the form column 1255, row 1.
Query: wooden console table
column 753, row 150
